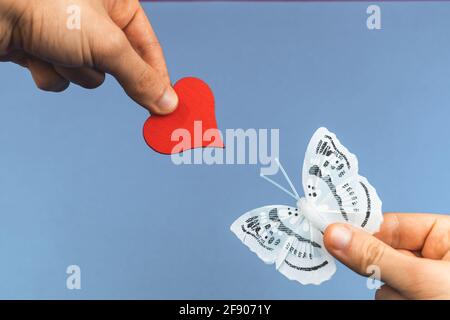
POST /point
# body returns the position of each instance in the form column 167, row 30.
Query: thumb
column 361, row 252
column 139, row 79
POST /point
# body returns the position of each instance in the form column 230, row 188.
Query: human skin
column 412, row 252
column 114, row 37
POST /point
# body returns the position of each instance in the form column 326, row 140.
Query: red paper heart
column 194, row 114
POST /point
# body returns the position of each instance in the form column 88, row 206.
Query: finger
column 388, row 293
column 45, row 77
column 426, row 233
column 446, row 256
column 85, row 77
column 407, row 253
column 131, row 18
column 360, row 252
column 142, row 37
column 17, row 57
column 141, row 82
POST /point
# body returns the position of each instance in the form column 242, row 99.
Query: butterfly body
column 292, row 237
column 312, row 213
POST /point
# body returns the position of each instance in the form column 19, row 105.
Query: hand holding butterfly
column 411, row 250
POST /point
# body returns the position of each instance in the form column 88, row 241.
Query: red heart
column 194, row 114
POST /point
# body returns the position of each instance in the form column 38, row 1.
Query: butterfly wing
column 332, row 183
column 307, row 262
column 282, row 235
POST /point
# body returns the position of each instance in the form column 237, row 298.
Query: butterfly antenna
column 278, row 186
column 287, row 177
column 293, row 195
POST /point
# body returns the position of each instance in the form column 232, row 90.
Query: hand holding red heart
column 78, row 41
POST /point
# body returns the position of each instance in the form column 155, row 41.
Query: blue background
column 78, row 185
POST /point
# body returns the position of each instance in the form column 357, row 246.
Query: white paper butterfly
column 292, row 237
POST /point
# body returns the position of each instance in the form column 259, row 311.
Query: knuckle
column 42, row 85
column 93, row 83
column 113, row 43
column 148, row 47
column 438, row 240
column 148, row 82
column 90, row 85
column 441, row 244
column 372, row 254
column 52, row 86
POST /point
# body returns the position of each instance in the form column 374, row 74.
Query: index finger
column 142, row 37
column 408, row 231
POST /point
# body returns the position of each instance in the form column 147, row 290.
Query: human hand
column 114, row 37
column 412, row 252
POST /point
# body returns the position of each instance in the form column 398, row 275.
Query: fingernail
column 168, row 102
column 340, row 237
